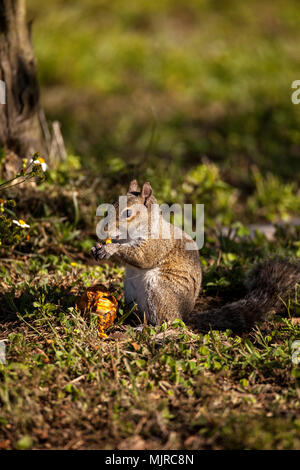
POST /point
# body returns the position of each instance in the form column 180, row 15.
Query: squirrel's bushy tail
column 269, row 286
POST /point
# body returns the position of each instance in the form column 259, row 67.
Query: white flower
column 41, row 162
column 21, row 223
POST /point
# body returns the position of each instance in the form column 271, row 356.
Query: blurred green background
column 193, row 95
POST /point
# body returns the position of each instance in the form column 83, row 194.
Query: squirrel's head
column 144, row 197
column 132, row 215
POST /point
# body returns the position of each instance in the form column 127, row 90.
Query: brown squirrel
column 163, row 277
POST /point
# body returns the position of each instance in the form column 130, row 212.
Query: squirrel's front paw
column 99, row 252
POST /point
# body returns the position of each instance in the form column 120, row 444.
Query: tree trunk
column 20, row 130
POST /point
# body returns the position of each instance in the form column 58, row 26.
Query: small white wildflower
column 41, row 162
column 21, row 223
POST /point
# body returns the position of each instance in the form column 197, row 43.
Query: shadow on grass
column 14, row 305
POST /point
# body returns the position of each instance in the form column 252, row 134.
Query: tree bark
column 20, row 130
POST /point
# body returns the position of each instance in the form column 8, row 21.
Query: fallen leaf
column 4, row 444
column 135, row 346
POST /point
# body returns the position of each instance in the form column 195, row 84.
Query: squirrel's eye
column 126, row 214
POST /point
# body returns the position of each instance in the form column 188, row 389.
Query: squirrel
column 163, row 277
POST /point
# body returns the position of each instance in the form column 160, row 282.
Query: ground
column 195, row 98
column 167, row 387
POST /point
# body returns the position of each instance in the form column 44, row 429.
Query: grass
column 195, row 98
column 165, row 388
column 138, row 87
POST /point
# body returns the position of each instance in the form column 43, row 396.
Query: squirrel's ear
column 146, row 192
column 133, row 187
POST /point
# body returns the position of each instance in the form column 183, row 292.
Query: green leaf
column 24, row 443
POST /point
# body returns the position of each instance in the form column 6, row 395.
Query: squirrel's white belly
column 137, row 282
